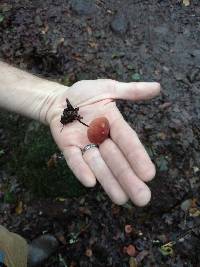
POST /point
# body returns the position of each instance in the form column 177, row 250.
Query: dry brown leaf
column 132, row 262
column 51, row 163
column 19, row 208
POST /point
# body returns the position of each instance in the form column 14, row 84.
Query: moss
column 32, row 147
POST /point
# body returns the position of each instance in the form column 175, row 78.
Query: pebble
column 83, row 7
column 41, row 248
column 186, row 205
column 38, row 21
column 119, row 24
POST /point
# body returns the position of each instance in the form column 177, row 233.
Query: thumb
column 136, row 90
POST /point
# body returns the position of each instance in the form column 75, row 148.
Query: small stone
column 41, row 248
column 142, row 255
column 38, row 21
column 194, row 75
column 119, row 24
column 179, row 76
column 186, row 205
column 88, row 252
column 83, row 7
column 140, row 244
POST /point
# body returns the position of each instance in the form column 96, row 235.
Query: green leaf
column 66, row 80
column 73, row 238
column 130, row 67
column 1, row 18
column 136, row 77
column 9, row 198
column 5, row 7
column 117, row 55
column 1, row 152
column 166, row 250
column 162, row 163
column 128, row 205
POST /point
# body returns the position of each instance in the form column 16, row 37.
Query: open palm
column 120, row 164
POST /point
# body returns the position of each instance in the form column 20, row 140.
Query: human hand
column 120, row 164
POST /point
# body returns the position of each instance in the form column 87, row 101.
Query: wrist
column 48, row 104
column 26, row 94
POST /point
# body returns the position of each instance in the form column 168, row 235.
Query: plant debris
column 70, row 114
column 62, row 41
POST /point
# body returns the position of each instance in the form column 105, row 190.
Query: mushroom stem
column 83, row 123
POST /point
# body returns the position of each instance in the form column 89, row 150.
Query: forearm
column 26, row 94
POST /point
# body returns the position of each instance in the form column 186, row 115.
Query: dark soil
column 126, row 40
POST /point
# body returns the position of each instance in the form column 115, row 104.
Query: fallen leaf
column 1, row 18
column 77, row 57
column 52, row 161
column 73, row 238
column 93, row 44
column 1, row 152
column 19, row 208
column 61, row 199
column 136, row 77
column 5, row 7
column 162, row 163
column 166, row 250
column 132, row 262
column 194, row 212
column 9, row 197
column 186, row 2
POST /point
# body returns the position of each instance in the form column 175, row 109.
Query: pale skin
column 120, row 164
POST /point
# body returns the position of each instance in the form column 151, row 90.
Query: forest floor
column 127, row 40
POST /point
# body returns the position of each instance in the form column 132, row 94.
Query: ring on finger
column 87, row 147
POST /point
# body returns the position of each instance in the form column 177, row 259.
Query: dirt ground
column 126, row 40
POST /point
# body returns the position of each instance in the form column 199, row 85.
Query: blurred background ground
column 126, row 40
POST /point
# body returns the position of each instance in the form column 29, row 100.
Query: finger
column 105, row 176
column 136, row 189
column 81, row 170
column 128, row 142
column 136, row 90
column 108, row 88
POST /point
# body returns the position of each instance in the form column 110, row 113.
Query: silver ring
column 87, row 147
